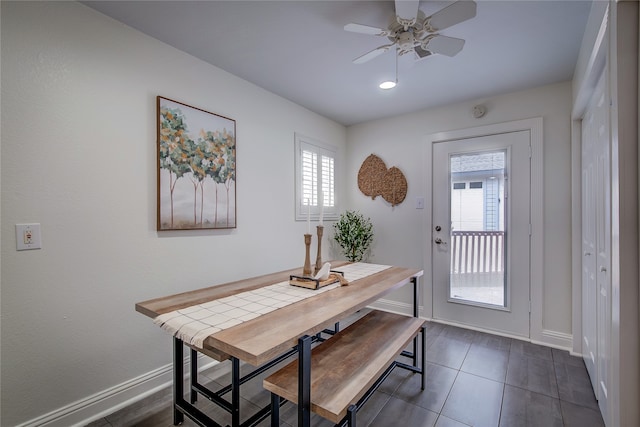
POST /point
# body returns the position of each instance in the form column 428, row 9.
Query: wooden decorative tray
column 311, row 283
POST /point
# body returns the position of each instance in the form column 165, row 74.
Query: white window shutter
column 315, row 176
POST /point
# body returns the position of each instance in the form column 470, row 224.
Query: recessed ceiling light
column 387, row 85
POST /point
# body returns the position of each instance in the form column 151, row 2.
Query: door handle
column 438, row 241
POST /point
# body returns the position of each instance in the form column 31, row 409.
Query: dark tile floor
column 473, row 379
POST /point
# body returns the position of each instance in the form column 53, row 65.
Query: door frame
column 536, row 273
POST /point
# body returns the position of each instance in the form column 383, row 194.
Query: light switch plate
column 28, row 237
column 419, row 202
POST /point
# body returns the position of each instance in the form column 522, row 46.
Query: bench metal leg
column 304, row 381
column 331, row 332
column 414, row 281
column 275, row 410
column 423, row 332
column 351, row 415
column 194, row 376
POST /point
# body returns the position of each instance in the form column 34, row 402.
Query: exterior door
column 481, row 232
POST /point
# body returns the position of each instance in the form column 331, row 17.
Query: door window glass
column 478, row 238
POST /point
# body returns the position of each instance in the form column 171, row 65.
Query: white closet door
column 596, row 244
column 589, row 285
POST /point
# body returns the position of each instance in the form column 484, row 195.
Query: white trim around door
column 535, row 127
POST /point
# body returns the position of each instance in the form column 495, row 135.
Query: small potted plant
column 354, row 234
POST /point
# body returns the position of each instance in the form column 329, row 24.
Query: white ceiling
column 300, row 51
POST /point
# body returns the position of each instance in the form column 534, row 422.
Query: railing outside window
column 477, row 252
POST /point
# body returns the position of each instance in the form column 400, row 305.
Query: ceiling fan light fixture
column 390, row 84
column 387, row 85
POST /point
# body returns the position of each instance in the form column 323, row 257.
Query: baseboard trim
column 555, row 339
column 478, row 329
column 108, row 401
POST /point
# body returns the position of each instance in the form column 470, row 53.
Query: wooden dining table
column 269, row 336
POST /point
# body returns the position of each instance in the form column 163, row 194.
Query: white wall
column 79, row 156
column 401, row 141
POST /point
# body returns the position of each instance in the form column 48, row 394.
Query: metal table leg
column 178, row 378
column 180, row 406
column 304, row 381
column 235, row 392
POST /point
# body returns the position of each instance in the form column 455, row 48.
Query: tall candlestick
column 321, row 207
column 308, row 217
column 320, row 230
column 306, row 270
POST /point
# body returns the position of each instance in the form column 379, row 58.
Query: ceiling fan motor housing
column 406, row 42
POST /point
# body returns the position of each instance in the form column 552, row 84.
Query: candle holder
column 306, row 270
column 320, row 229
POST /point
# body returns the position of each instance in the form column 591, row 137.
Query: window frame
column 302, row 212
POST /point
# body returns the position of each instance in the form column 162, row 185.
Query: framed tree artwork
column 196, row 168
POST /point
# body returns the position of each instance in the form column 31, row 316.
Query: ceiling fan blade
column 451, row 15
column 420, row 52
column 370, row 55
column 365, row 29
column 407, row 11
column 449, row 46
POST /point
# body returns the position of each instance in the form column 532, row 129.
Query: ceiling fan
column 411, row 31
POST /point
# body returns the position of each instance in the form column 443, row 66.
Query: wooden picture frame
column 196, row 152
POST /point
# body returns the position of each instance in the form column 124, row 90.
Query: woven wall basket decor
column 374, row 179
column 371, row 175
column 394, row 186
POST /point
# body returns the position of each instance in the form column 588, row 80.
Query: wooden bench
column 348, row 367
